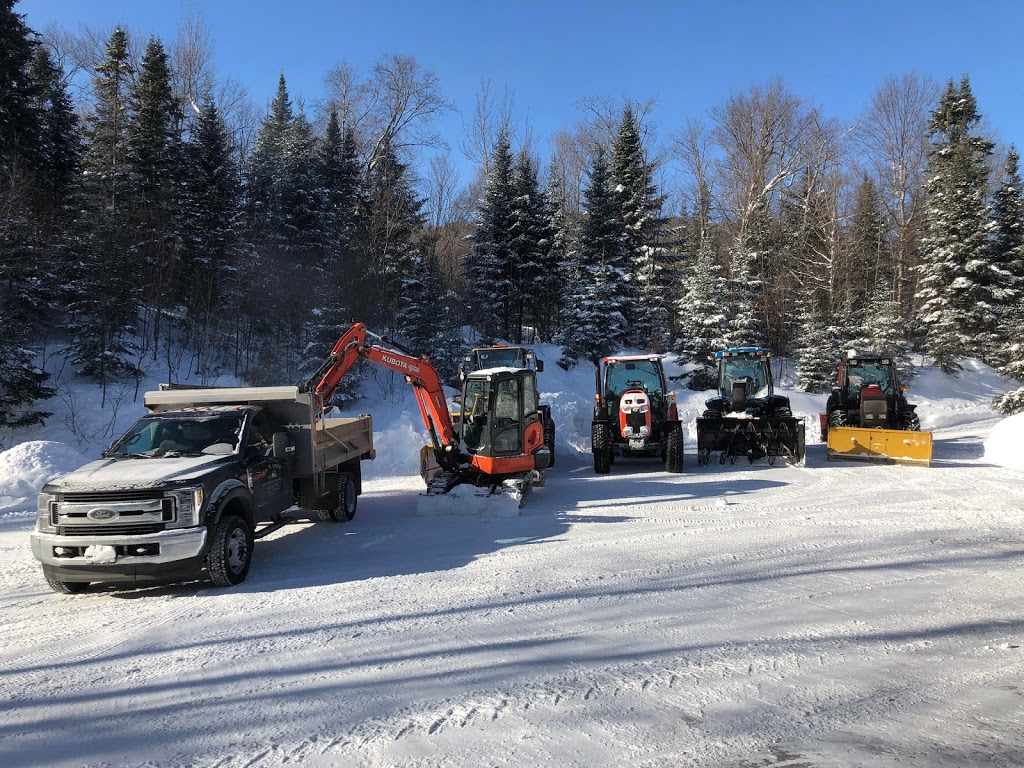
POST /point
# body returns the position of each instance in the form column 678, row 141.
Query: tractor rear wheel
column 674, row 449
column 602, row 448
column 549, row 441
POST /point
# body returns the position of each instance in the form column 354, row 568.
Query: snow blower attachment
column 635, row 414
column 747, row 418
column 867, row 415
column 500, row 425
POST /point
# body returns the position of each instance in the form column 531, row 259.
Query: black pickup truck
column 194, row 482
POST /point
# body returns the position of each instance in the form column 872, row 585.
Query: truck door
column 268, row 478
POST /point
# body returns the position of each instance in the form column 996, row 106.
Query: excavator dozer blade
column 893, row 445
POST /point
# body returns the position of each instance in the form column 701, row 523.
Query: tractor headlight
column 189, row 503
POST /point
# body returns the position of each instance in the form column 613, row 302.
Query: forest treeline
column 151, row 216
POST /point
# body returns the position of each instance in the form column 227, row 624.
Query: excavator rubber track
column 886, row 445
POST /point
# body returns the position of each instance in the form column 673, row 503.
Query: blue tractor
column 747, row 418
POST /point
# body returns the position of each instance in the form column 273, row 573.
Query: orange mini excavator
column 497, row 443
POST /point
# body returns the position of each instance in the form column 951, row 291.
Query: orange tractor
column 498, row 444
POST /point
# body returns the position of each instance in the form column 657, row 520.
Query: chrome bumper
column 174, row 546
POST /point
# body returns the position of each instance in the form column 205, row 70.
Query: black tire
column 549, row 441
column 347, row 498
column 64, row 587
column 910, row 422
column 230, row 553
column 602, row 448
column 674, row 449
column 837, row 418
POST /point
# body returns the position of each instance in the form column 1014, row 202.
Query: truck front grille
column 93, row 497
column 110, row 530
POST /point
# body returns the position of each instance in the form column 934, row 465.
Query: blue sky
column 689, row 55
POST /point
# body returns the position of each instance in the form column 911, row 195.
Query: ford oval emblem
column 101, row 514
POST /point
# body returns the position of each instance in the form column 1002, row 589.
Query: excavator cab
column 501, row 421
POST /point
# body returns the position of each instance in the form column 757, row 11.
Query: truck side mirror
column 282, row 447
column 462, row 371
column 540, row 366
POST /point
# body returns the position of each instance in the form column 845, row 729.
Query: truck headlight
column 189, row 503
column 46, row 513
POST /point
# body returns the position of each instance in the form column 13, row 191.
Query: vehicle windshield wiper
column 122, row 455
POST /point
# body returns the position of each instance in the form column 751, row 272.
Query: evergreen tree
column 957, row 291
column 488, row 265
column 105, row 297
column 594, row 322
column 60, row 140
column 1008, row 242
column 211, row 222
column 528, row 245
column 816, row 352
column 703, row 317
column 19, row 120
column 866, row 245
column 646, row 291
column 552, row 265
column 1013, row 402
column 395, row 224
column 154, row 156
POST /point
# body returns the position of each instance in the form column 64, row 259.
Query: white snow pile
column 469, row 500
column 26, row 467
column 1005, row 443
column 398, row 447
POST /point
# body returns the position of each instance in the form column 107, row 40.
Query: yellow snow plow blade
column 880, row 445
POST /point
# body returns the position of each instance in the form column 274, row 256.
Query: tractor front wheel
column 910, row 422
column 674, row 449
column 601, row 438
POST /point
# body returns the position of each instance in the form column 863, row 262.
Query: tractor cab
column 744, row 380
column 500, row 356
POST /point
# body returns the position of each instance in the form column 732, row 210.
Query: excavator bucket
column 893, row 445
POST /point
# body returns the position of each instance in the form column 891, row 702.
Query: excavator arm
column 417, row 371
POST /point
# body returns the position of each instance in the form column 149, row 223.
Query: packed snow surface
column 736, row 615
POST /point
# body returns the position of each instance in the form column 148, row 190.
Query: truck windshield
column 749, row 369
column 180, row 434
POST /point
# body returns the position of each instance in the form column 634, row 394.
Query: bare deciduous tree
column 762, row 134
column 893, row 139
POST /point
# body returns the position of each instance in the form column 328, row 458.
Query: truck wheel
column 64, row 587
column 601, row 439
column 674, row 449
column 230, row 553
column 346, row 500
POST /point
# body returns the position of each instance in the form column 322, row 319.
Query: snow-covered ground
column 837, row 614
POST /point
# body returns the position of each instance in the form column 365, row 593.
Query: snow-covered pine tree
column 59, row 165
column 815, row 349
column 1013, row 367
column 957, row 289
column 19, row 120
column 703, row 317
column 746, row 327
column 210, row 226
column 528, row 236
column 647, row 286
column 156, row 172
column 551, row 282
column 594, row 321
column 1008, row 245
column 489, row 261
column 104, row 294
column 866, row 245
column 395, row 224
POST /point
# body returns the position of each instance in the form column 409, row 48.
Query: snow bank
column 1005, row 442
column 26, row 468
column 398, row 448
